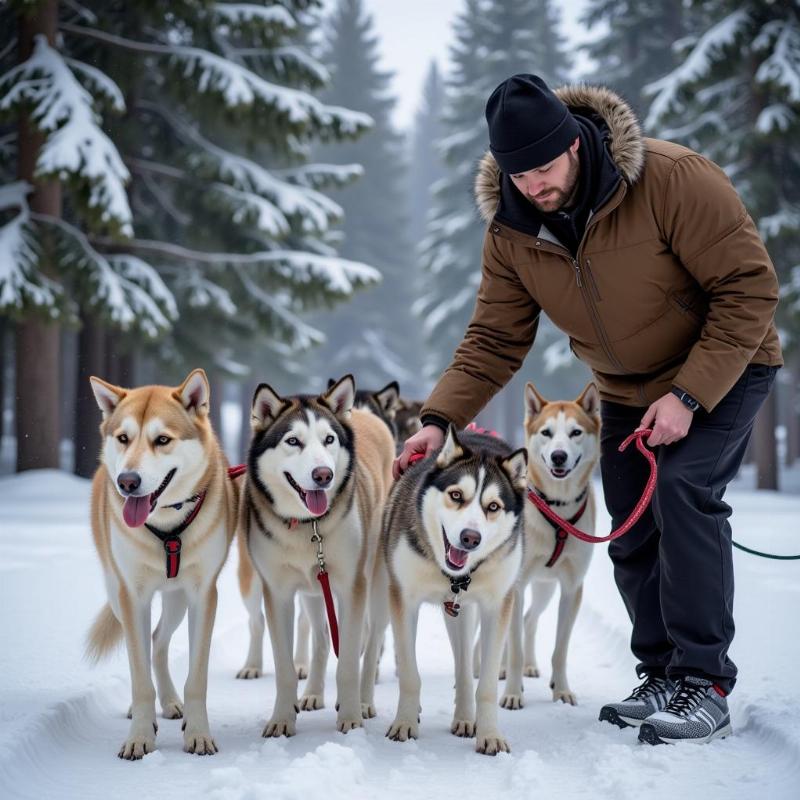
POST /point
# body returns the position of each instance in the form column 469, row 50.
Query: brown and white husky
column 163, row 516
column 563, row 443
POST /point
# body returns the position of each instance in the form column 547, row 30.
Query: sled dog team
column 316, row 501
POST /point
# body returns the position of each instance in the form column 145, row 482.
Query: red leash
column 635, row 515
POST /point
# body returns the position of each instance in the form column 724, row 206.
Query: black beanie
column 528, row 125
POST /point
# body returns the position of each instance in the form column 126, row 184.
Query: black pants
column 674, row 568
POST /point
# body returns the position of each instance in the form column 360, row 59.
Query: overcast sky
column 413, row 32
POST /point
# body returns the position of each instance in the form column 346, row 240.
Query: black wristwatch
column 686, row 399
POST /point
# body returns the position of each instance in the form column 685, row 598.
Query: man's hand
column 425, row 441
column 669, row 419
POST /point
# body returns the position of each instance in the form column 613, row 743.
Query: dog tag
column 452, row 608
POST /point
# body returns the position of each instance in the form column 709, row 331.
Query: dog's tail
column 104, row 635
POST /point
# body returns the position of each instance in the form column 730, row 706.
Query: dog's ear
column 108, row 396
column 589, row 399
column 534, row 402
column 341, row 396
column 388, row 398
column 516, row 467
column 451, row 449
column 331, row 382
column 194, row 393
column 267, row 405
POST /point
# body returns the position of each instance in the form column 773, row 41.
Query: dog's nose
column 558, row 457
column 469, row 539
column 129, row 481
column 322, row 476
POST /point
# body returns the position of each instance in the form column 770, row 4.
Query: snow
column 783, row 65
column 62, row 721
column 75, row 143
column 696, row 65
column 245, row 13
column 20, row 281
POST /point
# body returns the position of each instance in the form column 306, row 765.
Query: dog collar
column 458, row 584
column 558, row 503
column 172, row 539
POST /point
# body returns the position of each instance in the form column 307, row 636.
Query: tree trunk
column 37, row 338
column 91, row 361
column 764, row 448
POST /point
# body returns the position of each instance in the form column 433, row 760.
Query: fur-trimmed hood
column 626, row 145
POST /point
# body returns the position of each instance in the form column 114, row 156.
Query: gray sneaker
column 696, row 712
column 643, row 701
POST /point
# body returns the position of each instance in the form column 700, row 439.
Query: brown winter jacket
column 671, row 285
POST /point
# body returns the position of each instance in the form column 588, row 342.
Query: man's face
column 552, row 185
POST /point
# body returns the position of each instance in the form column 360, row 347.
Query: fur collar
column 627, row 147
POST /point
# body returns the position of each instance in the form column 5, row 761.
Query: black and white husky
column 452, row 534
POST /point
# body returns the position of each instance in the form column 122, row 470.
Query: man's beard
column 558, row 198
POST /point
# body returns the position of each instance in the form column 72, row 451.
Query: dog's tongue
column 316, row 502
column 136, row 510
column 456, row 556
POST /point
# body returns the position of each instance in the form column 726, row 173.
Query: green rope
column 764, row 555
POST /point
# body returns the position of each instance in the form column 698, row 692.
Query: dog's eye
column 294, row 441
column 162, row 440
column 574, row 434
column 122, row 438
column 330, row 439
column 456, row 496
column 493, row 507
column 546, row 432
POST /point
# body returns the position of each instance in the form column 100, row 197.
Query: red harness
column 560, row 532
column 633, row 518
column 172, row 539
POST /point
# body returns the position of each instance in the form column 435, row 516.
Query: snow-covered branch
column 75, row 143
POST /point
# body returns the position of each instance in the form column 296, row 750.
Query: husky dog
column 383, row 404
column 407, row 419
column 163, row 515
column 563, row 442
column 315, row 465
column 452, row 534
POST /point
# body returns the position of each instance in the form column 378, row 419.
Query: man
column 642, row 252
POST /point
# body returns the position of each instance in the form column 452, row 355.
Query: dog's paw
column 565, row 696
column 248, row 673
column 349, row 722
column 513, row 702
column 491, row 745
column 401, row 730
column 465, row 728
column 279, row 727
column 199, row 742
column 172, row 709
column 136, row 747
column 531, row 671
column 368, row 710
column 312, row 702
column 302, row 671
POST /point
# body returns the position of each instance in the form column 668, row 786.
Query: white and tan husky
column 563, row 443
column 314, row 462
column 163, row 516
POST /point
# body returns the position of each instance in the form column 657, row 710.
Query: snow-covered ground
column 62, row 722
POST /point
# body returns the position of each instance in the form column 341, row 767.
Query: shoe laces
column 686, row 698
column 651, row 685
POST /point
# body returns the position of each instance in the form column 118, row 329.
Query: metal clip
column 316, row 537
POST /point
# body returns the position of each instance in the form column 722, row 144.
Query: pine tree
column 637, row 43
column 736, row 98
column 208, row 157
column 426, row 167
column 379, row 347
column 494, row 40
